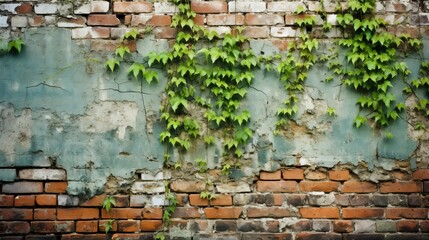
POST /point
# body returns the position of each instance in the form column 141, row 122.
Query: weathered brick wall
column 299, row 202
column 291, row 203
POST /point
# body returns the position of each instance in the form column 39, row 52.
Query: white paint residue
column 109, row 115
column 15, row 131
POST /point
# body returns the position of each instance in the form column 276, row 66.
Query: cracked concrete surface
column 62, row 109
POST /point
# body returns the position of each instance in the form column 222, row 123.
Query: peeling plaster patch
column 109, row 115
column 15, row 131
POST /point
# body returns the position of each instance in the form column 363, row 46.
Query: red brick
column 152, row 213
column 16, row 214
column 421, row 174
column 223, row 212
column 132, row 7
column 343, row 226
column 209, row 7
column 400, row 187
column 199, row 19
column 290, row 19
column 424, row 226
column 324, row 186
column 103, row 223
column 36, row 21
column 150, row 225
column 24, row 200
column 87, row 226
column 398, row 175
column 407, row 226
column 396, row 213
column 339, row 175
column 187, row 186
column 85, row 236
column 277, row 175
column 256, row 32
column 263, row 19
column 182, row 199
column 271, row 212
column 14, row 228
column 201, row 225
column 165, row 33
column 179, row 223
column 159, row 20
column 122, row 213
column 22, row 187
column 276, row 186
column 349, row 213
column 219, row 200
column 45, row 214
column 56, row 187
column 358, row 187
column 323, row 212
column 46, row 200
column 318, row 236
column 293, row 174
column 279, row 199
column 225, row 19
column 103, row 20
column 77, row 213
column 128, row 226
column 315, row 175
column 282, row 45
column 96, row 201
column 186, row 212
column 6, row 200
column 52, row 226
column 24, row 8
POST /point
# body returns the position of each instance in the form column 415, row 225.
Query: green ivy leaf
column 121, row 50
column 15, row 44
column 359, row 121
column 136, row 69
column 112, row 64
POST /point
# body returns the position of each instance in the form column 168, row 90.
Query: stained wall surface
column 71, row 131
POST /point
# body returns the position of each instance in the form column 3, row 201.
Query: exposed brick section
column 152, row 213
column 349, row 213
column 45, row 214
column 103, row 20
column 55, row 187
column 343, row 226
column 276, row 186
column 24, row 8
column 327, row 212
column 6, row 200
column 256, row 32
column 122, row 213
column 128, row 226
column 14, row 227
column 23, row 187
column 150, row 225
column 209, row 7
column 223, row 212
column 220, row 200
column 52, row 227
column 77, row 213
column 421, row 174
column 86, row 226
column 188, row 186
column 132, row 7
column 224, row 19
column 263, row 19
column 401, row 187
column 407, row 226
column 277, row 175
column 359, row 187
column 272, row 212
column 293, row 174
column 46, row 200
column 10, row 214
column 323, row 186
column 339, row 175
column 186, row 212
column 91, row 32
column 24, row 200
column 397, row 213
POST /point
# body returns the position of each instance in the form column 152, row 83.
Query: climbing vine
column 14, row 45
column 372, row 62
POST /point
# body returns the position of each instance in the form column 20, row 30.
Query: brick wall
column 291, row 203
column 299, row 203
